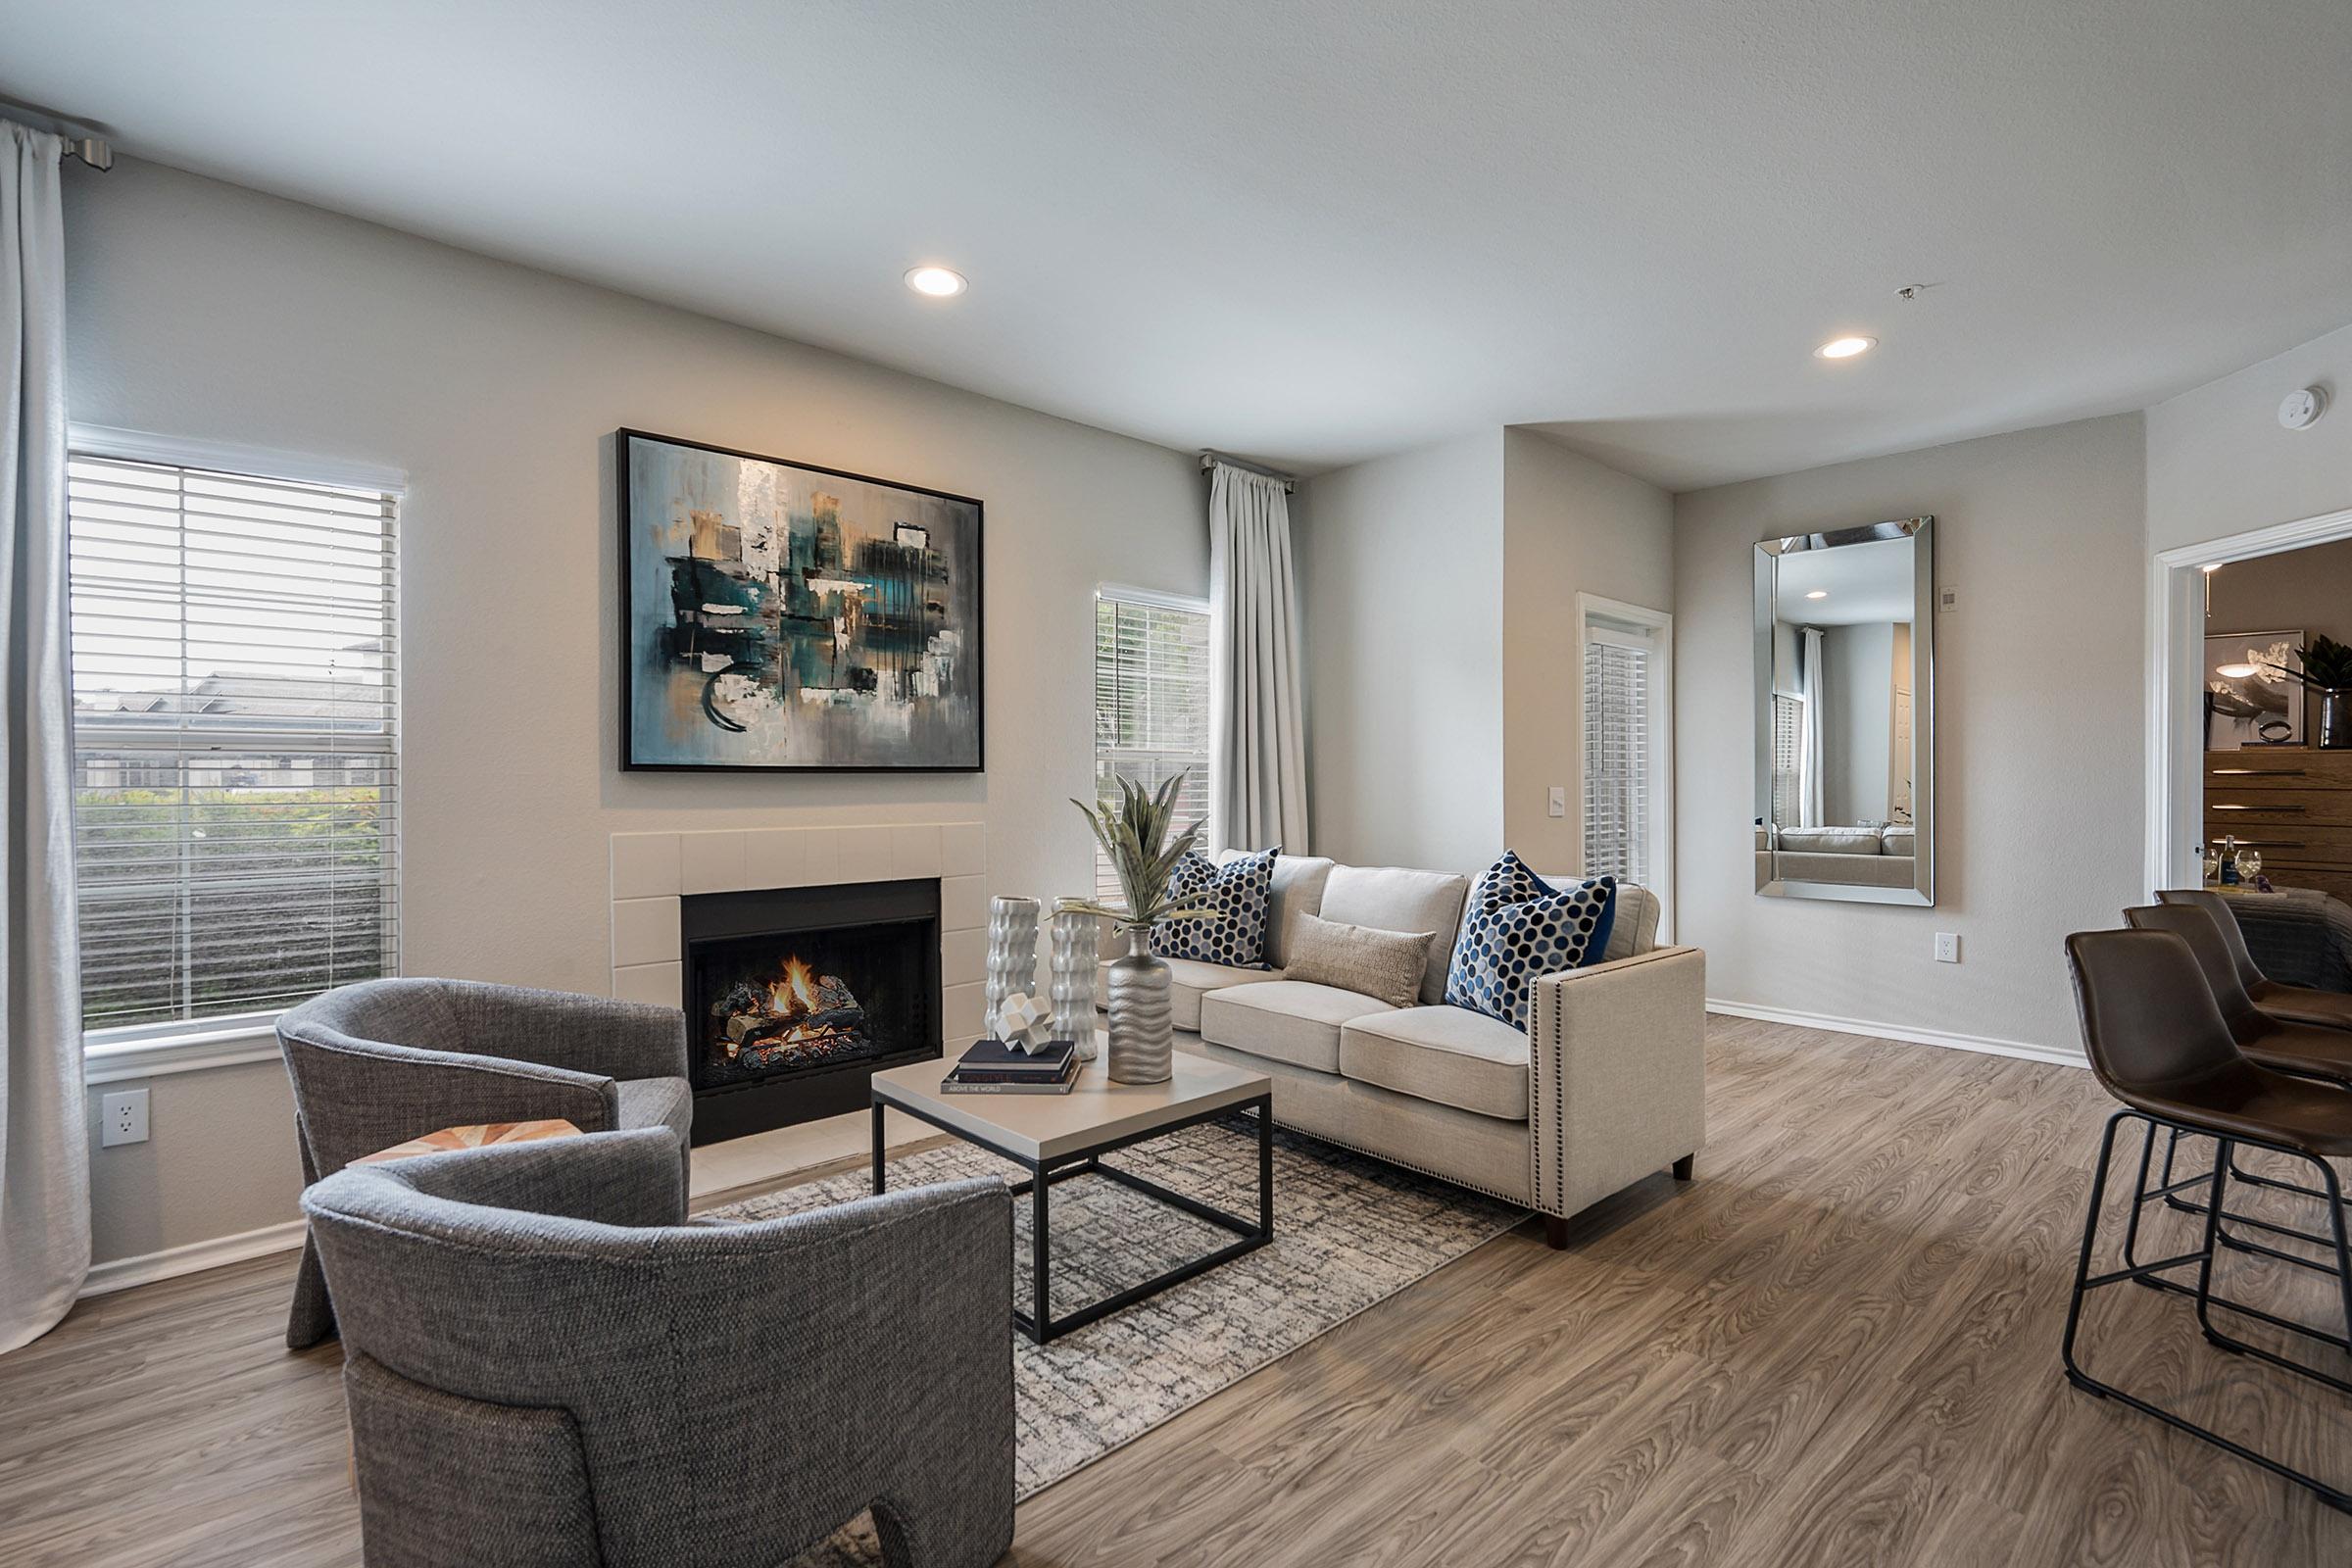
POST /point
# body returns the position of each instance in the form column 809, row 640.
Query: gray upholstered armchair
column 545, row 1367
column 378, row 1063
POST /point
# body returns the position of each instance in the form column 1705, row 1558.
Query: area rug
column 1348, row 1233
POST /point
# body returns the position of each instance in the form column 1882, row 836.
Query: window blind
column 235, row 739
column 1787, row 757
column 1617, row 761
column 1150, row 707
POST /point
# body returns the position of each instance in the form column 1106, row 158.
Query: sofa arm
column 355, row 1096
column 1617, row 1063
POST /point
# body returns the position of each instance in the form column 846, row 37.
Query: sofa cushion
column 1635, row 930
column 1297, row 890
column 1285, row 1020
column 1448, row 1054
column 1390, row 897
column 1387, row 965
column 1240, row 892
column 1519, row 928
column 1831, row 839
column 1187, row 983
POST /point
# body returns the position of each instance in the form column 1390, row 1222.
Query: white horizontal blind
column 1787, row 757
column 1617, row 759
column 1150, row 707
column 235, row 739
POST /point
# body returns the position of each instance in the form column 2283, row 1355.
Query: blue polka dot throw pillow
column 1240, row 891
column 1516, row 929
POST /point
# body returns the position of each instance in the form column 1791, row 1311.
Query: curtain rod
column 83, row 140
column 1210, row 459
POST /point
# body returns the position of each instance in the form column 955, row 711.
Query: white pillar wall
column 653, row 871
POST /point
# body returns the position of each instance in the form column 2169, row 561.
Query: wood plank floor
column 1838, row 1346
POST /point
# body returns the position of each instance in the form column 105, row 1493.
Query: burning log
column 799, row 1013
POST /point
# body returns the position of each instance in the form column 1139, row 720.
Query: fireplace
column 794, row 996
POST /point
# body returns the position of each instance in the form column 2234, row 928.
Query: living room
column 466, row 537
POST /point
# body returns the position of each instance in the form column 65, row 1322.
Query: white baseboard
column 2052, row 1054
column 122, row 1273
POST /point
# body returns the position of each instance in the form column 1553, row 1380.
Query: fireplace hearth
column 794, row 996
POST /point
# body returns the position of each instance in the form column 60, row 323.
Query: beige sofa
column 1607, row 1088
column 1860, row 856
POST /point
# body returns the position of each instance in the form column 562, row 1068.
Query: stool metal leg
column 2086, row 1281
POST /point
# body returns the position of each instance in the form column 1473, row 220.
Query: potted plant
column 2327, row 670
column 1135, row 832
column 2327, row 673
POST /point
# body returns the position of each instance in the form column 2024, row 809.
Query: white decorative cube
column 1023, row 1020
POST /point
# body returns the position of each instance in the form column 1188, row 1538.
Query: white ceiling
column 1865, row 585
column 1318, row 230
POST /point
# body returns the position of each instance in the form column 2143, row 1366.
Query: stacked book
column 993, row 1067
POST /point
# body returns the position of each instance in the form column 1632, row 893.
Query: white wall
column 1860, row 662
column 2038, row 730
column 1571, row 525
column 1401, row 584
column 198, row 309
column 2220, row 463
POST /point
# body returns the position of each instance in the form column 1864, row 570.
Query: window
column 235, row 739
column 1628, row 795
column 1788, row 760
column 1151, row 703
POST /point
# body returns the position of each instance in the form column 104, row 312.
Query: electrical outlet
column 122, row 1117
column 1558, row 802
column 1947, row 946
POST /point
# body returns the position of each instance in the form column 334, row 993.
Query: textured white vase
column 1143, row 1024
column 1011, row 954
column 1077, row 949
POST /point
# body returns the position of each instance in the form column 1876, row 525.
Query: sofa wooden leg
column 1684, row 1166
column 1556, row 1232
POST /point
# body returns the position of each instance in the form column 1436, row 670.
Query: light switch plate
column 1947, row 598
column 1557, row 804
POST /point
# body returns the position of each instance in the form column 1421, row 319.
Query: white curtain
column 44, row 1158
column 1812, row 687
column 1257, row 767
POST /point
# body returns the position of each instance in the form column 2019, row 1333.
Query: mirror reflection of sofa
column 1860, row 856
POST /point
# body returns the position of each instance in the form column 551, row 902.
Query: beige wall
column 1571, row 525
column 2038, row 729
column 201, row 309
column 1401, row 583
column 2220, row 463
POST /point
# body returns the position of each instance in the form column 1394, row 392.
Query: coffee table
column 1055, row 1137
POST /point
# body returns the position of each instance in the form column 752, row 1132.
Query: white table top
column 1096, row 1111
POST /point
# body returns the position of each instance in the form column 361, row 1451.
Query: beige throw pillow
column 1384, row 964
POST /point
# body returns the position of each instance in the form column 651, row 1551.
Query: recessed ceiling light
column 2237, row 671
column 1819, row 593
column 937, row 281
column 1845, row 348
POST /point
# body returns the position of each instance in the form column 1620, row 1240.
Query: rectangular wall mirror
column 1845, row 761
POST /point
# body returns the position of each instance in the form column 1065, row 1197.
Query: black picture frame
column 632, row 763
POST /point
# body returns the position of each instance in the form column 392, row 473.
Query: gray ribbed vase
column 1143, row 1024
column 1011, row 954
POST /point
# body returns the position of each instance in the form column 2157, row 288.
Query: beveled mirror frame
column 1922, row 532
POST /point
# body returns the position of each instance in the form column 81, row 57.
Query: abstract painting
column 782, row 617
column 2264, row 708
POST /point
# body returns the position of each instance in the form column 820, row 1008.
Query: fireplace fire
column 794, row 996
column 797, row 1019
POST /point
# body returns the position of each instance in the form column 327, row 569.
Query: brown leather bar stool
column 2306, row 1050
column 2158, row 1043
column 2332, row 1010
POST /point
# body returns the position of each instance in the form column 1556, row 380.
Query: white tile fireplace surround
column 653, row 871
column 650, row 872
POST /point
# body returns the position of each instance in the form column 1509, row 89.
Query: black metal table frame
column 1039, row 1323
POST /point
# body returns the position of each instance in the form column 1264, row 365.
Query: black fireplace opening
column 794, row 996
